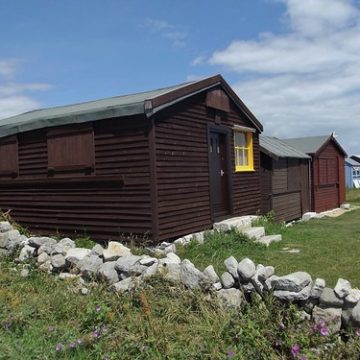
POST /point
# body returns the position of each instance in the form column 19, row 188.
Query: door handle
column 222, row 172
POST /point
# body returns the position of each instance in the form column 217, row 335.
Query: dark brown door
column 218, row 175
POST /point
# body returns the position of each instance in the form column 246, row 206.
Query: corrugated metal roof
column 278, row 149
column 352, row 162
column 77, row 113
column 308, row 145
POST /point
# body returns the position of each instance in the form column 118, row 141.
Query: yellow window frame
column 249, row 149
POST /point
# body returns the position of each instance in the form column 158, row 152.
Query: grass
column 353, row 196
column 328, row 248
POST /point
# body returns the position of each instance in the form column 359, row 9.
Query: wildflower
column 357, row 332
column 59, row 347
column 304, row 358
column 72, row 346
column 282, row 326
column 277, row 343
column 96, row 334
column 324, row 331
column 230, row 354
column 79, row 341
column 295, row 350
column 104, row 329
column 98, row 308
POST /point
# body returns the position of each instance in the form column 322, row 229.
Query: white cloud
column 305, row 81
column 14, row 98
column 176, row 34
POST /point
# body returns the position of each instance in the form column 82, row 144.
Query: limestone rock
column 75, row 255
column 170, row 258
column 108, row 273
column 230, row 298
column 268, row 282
column 63, row 246
column 125, row 285
column 353, row 297
column 331, row 316
column 129, row 266
column 342, row 288
column 170, row 272
column 58, row 261
column 319, row 286
column 10, row 240
column 98, row 250
column 329, row 299
column 24, row 273
column 231, row 265
column 216, row 286
column 211, row 274
column 294, row 282
column 190, row 276
column 43, row 258
column 26, row 253
column 46, row 267
column 355, row 315
column 246, row 269
column 227, row 280
column 36, row 242
column 89, row 266
column 265, row 272
column 150, row 271
column 67, row 276
column 5, row 226
column 149, row 261
column 301, row 295
column 115, row 250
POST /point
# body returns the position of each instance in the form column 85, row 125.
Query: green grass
column 329, row 248
column 353, row 196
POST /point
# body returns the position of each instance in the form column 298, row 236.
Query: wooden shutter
column 71, row 149
column 9, row 157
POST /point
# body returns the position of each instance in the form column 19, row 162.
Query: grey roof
column 83, row 112
column 276, row 148
column 309, row 145
column 352, row 162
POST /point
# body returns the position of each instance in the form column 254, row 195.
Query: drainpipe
column 310, row 183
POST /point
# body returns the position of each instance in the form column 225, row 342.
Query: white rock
column 255, row 233
column 75, row 255
column 46, row 267
column 267, row 283
column 5, row 226
column 216, row 286
column 227, row 280
column 125, row 285
column 353, row 297
column 190, row 276
column 230, row 298
column 319, row 286
column 301, row 295
column 170, row 272
column 246, row 269
column 342, row 288
column 170, row 258
column 89, row 266
column 355, row 315
column 211, row 274
column 294, row 282
column 129, row 265
column 43, row 258
column 149, row 261
column 24, row 273
column 67, row 276
column 98, row 250
column 26, row 253
column 150, row 271
column 39, row 241
column 63, row 246
column 331, row 316
column 107, row 272
column 309, row 215
column 265, row 273
column 84, row 291
column 231, row 265
column 329, row 299
column 346, row 206
column 58, row 261
column 115, row 250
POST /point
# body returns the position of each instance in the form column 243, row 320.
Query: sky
column 295, row 63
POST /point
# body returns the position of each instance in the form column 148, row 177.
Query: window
column 243, row 148
column 70, row 149
column 8, row 157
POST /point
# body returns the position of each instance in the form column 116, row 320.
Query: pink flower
column 324, row 331
column 295, row 350
column 357, row 332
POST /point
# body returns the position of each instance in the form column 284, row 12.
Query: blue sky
column 295, row 63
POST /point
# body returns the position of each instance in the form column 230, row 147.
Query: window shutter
column 9, row 157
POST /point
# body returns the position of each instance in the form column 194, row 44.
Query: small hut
column 284, row 179
column 352, row 173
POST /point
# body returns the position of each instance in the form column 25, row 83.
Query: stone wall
column 331, row 309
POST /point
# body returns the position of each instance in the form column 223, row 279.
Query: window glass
column 243, row 150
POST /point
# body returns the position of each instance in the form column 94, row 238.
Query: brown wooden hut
column 154, row 165
column 327, row 170
column 284, row 180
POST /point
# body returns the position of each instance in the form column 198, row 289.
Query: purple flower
column 277, row 343
column 324, row 331
column 72, row 346
column 98, row 308
column 282, row 326
column 230, row 354
column 357, row 332
column 96, row 334
column 104, row 329
column 295, row 350
column 59, row 347
column 304, row 358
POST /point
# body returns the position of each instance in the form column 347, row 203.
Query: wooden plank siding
column 113, row 205
column 284, row 187
column 182, row 165
column 328, row 176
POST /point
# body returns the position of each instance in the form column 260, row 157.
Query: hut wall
column 107, row 201
column 328, row 174
column 182, row 168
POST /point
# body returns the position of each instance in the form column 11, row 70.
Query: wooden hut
column 284, row 180
column 154, row 165
column 327, row 170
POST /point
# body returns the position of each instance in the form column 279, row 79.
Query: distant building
column 352, row 172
